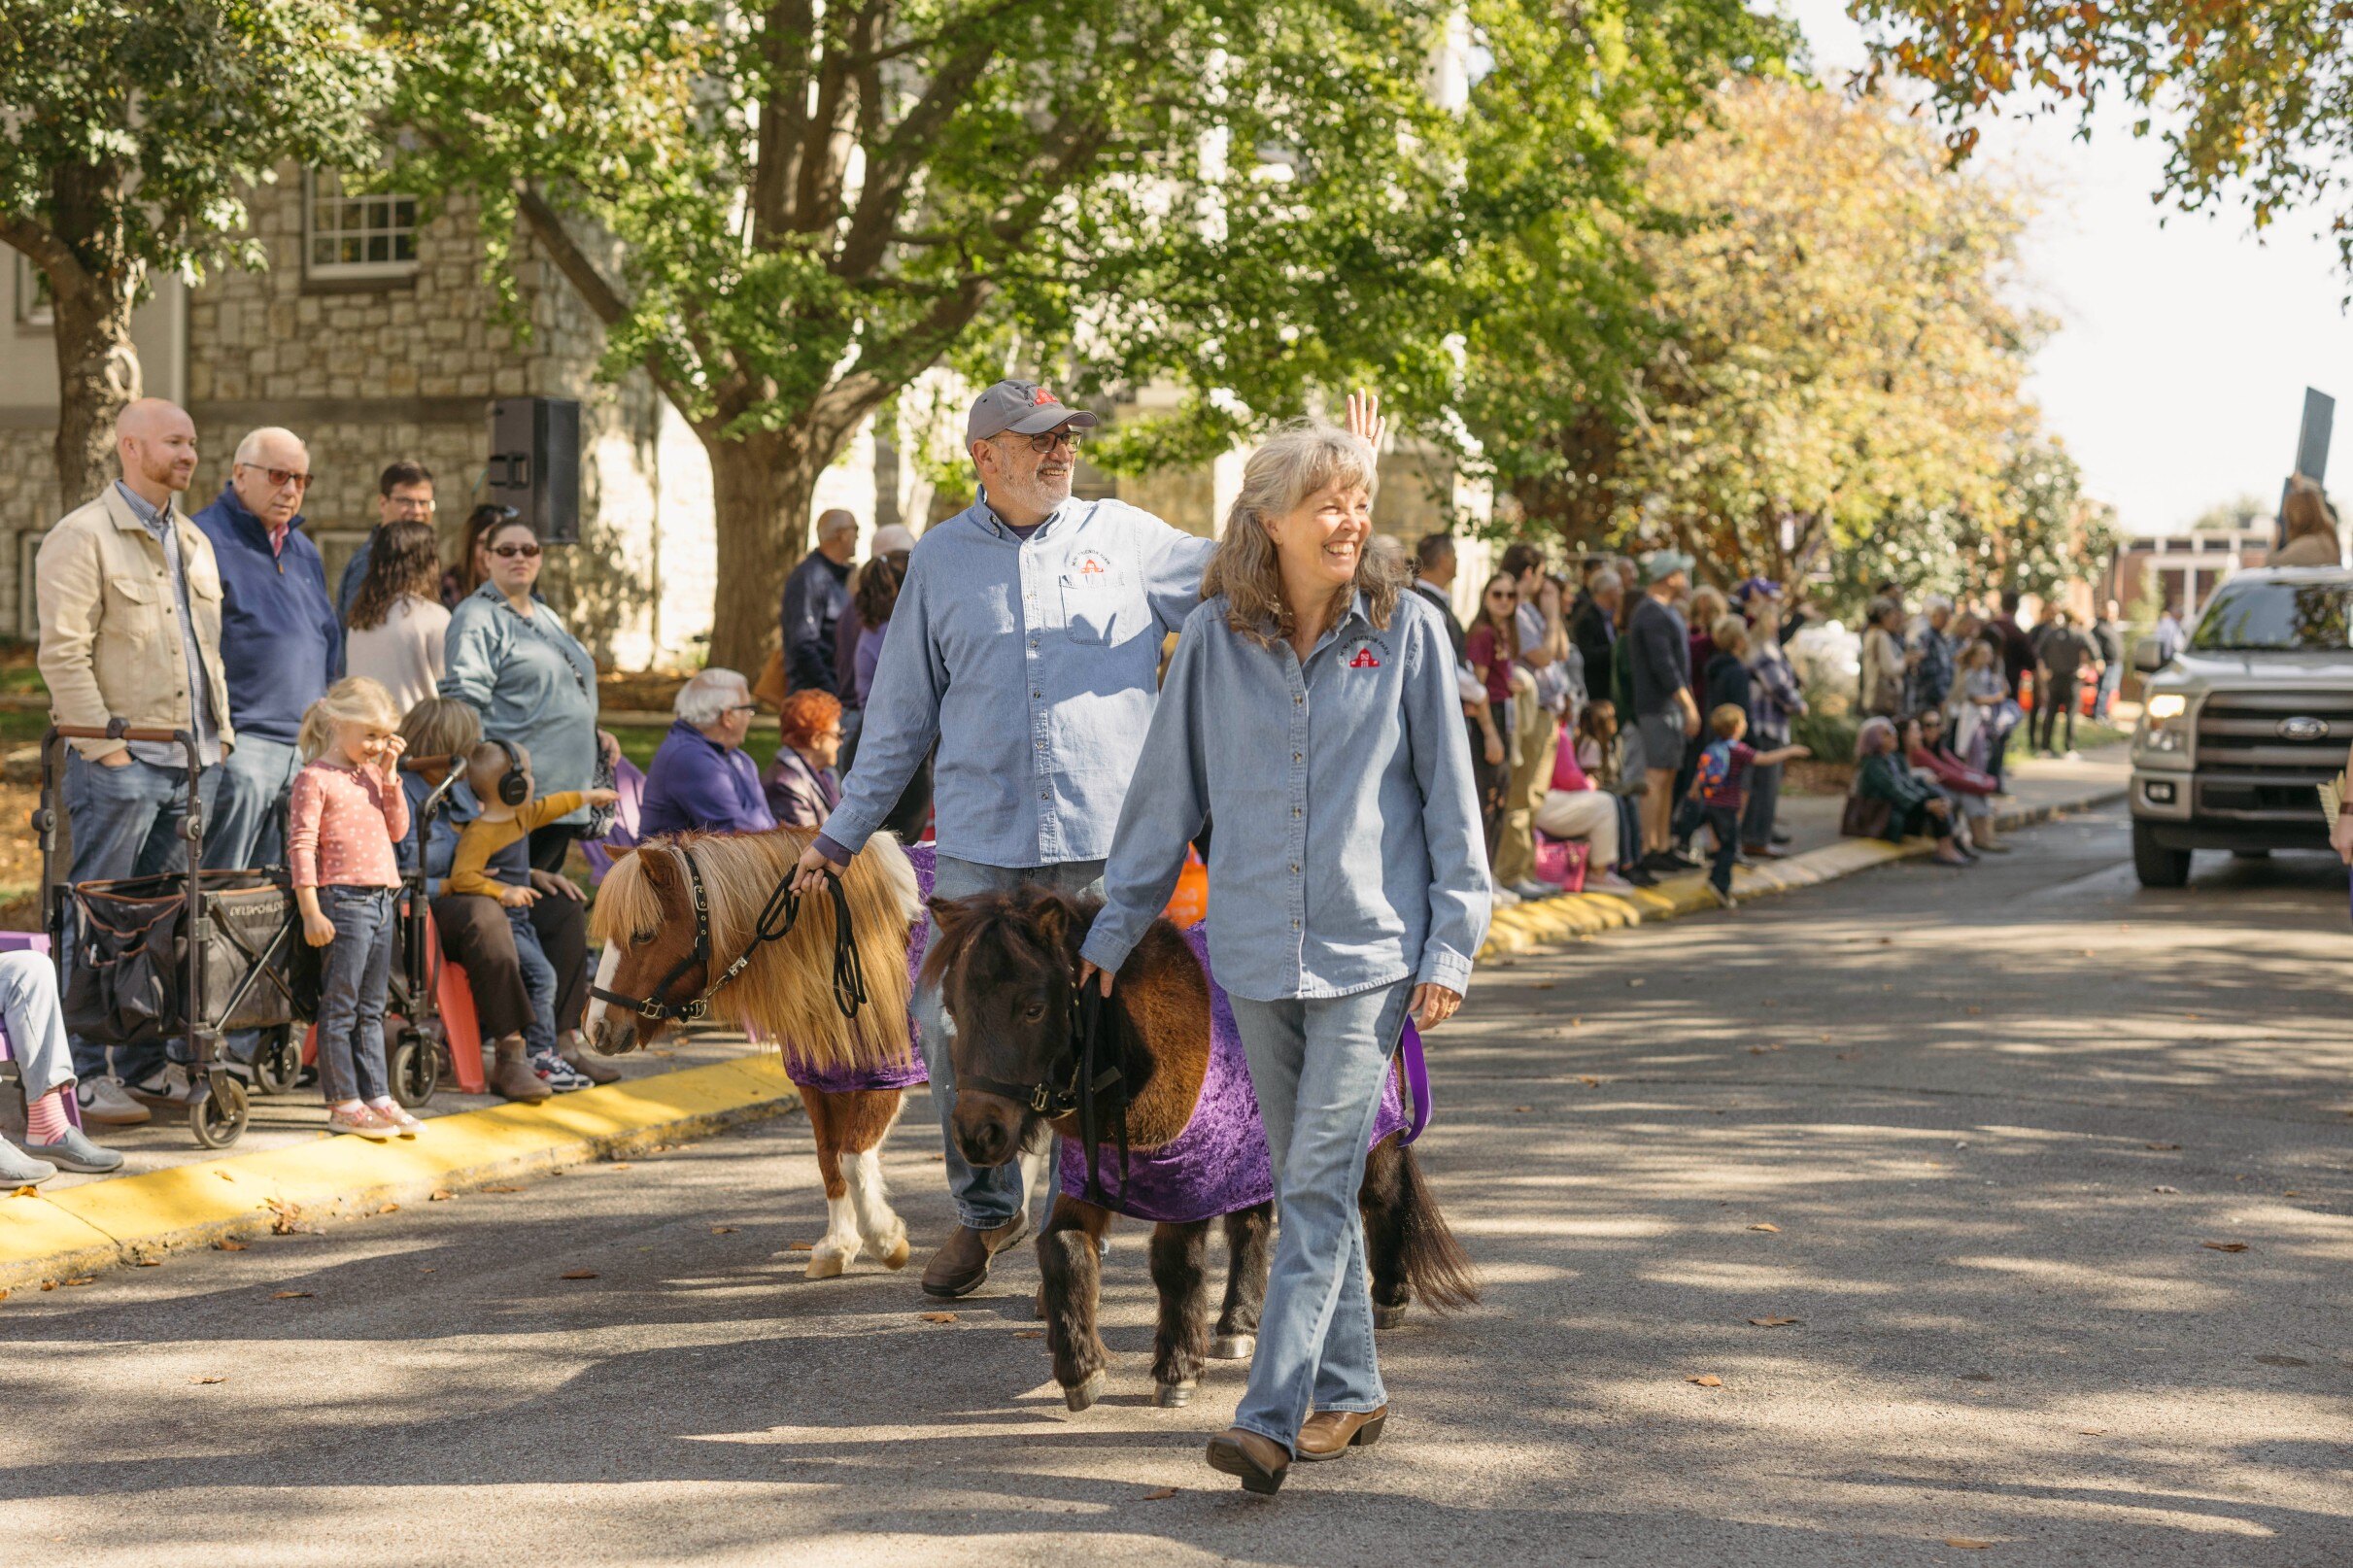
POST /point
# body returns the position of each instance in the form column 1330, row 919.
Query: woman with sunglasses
column 509, row 657
column 1491, row 649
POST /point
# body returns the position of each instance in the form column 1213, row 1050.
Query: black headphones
column 514, row 785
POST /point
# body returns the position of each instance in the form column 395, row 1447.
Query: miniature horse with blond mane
column 1028, row 1044
column 702, row 925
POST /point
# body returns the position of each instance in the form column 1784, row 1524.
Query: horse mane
column 785, row 996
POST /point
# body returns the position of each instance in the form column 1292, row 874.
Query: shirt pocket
column 134, row 604
column 1094, row 606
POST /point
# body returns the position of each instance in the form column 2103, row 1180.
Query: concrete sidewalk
column 2040, row 789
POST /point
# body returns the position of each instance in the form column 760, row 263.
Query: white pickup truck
column 2240, row 727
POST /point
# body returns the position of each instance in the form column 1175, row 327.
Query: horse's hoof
column 896, row 1256
column 1172, row 1395
column 826, row 1267
column 1388, row 1317
column 1233, row 1347
column 1087, row 1392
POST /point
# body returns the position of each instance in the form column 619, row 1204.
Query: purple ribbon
column 1416, row 1080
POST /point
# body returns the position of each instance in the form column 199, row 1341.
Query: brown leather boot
column 1260, row 1461
column 590, row 1066
column 962, row 1266
column 1330, row 1433
column 511, row 1076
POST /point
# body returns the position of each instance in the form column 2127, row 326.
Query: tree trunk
column 97, row 376
column 761, row 489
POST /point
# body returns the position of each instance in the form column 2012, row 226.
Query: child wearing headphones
column 493, row 860
column 346, row 814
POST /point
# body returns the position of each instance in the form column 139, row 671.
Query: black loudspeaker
column 535, row 464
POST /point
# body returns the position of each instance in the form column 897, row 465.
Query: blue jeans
column 538, row 984
column 984, row 1198
column 2111, row 676
column 126, row 822
column 1317, row 1064
column 244, row 827
column 1724, row 821
column 1764, row 804
column 355, row 970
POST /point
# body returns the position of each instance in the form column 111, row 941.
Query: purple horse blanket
column 1218, row 1164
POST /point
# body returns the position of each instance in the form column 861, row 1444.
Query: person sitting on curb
column 700, row 778
column 36, row 1037
column 1927, row 751
column 1575, row 810
column 1912, row 807
column 801, row 784
column 493, row 859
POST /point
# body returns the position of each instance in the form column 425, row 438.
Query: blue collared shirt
column 531, row 682
column 1034, row 664
column 157, row 521
column 1348, row 852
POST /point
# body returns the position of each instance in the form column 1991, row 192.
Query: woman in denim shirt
column 1310, row 709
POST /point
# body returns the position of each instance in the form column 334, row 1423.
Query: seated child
column 1720, row 790
column 493, row 860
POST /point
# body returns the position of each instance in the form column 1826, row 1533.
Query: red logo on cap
column 1040, row 397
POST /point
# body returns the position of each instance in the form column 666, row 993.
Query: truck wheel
column 2154, row 864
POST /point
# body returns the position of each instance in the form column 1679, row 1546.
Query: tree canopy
column 131, row 132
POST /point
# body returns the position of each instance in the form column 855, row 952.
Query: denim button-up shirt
column 1034, row 664
column 1348, row 852
column 531, row 682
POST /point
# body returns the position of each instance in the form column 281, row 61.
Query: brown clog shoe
column 1330, row 1433
column 962, row 1266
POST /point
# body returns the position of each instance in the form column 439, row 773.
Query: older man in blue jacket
column 1026, row 642
column 281, row 644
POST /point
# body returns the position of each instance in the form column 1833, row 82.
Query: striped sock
column 45, row 1118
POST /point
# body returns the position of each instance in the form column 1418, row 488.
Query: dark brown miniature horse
column 1004, row 963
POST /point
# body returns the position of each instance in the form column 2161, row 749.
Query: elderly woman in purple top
column 700, row 777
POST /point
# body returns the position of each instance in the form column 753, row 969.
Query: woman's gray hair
column 704, row 700
column 1867, row 738
column 1293, row 465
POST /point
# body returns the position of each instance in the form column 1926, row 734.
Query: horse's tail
column 1436, row 1268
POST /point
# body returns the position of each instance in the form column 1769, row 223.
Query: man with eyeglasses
column 404, row 494
column 129, row 595
column 281, row 642
column 1026, row 640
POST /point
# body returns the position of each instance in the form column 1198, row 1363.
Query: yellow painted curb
column 1526, row 927
column 103, row 1223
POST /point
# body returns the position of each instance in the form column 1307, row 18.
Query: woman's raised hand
column 1364, row 419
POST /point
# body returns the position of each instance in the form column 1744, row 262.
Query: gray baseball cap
column 1024, row 408
column 1659, row 565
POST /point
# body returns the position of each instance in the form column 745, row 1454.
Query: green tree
column 2262, row 89
column 131, row 133
column 1839, row 358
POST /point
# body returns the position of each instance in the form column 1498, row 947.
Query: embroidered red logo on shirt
column 1364, row 660
column 1090, row 563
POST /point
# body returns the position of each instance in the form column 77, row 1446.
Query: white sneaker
column 1608, row 882
column 1504, row 897
column 1528, row 888
column 1723, row 898
column 105, row 1103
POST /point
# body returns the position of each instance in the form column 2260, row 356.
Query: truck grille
column 2248, row 770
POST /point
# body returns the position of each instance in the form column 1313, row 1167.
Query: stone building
column 373, row 336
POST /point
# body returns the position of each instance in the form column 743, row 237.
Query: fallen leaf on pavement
column 1030, row 1334
column 224, row 1175
column 1974, row 1008
column 2160, row 1146
column 497, row 1189
column 1541, row 985
column 215, row 1377
column 1887, row 941
column 80, row 1280
column 439, row 1195
column 1965, row 1543
column 2211, row 1247
column 26, row 1192
column 1522, row 1109
column 427, row 1267
column 1588, row 1083
column 145, row 1262
column 1160, row 1496
column 1636, row 983
column 577, row 1274
column 940, row 1317
column 1775, row 1229
column 291, row 1295
column 1772, row 1322
column 621, row 1165
column 228, row 1244
column 2165, row 1189
column 286, row 1219
column 2095, row 1431
column 49, row 1284
column 1706, row 1380
column 387, row 1208
column 723, row 1230
column 802, row 1247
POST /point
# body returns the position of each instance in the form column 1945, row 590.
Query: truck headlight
column 2165, row 727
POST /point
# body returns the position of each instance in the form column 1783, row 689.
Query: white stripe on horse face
column 606, row 965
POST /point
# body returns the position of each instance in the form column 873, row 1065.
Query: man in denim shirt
column 1026, row 642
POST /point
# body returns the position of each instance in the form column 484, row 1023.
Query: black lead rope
column 778, row 917
column 1092, row 1080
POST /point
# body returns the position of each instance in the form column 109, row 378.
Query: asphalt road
column 1970, row 1134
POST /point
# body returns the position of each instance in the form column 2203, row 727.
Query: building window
column 353, row 236
column 32, row 301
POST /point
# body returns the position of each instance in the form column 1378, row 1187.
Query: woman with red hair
column 801, row 787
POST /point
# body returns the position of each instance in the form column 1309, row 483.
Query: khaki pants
column 1534, row 733
column 1590, row 816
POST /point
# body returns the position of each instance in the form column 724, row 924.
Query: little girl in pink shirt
column 348, row 813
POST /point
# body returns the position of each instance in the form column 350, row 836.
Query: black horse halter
column 849, row 970
column 1094, row 1083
